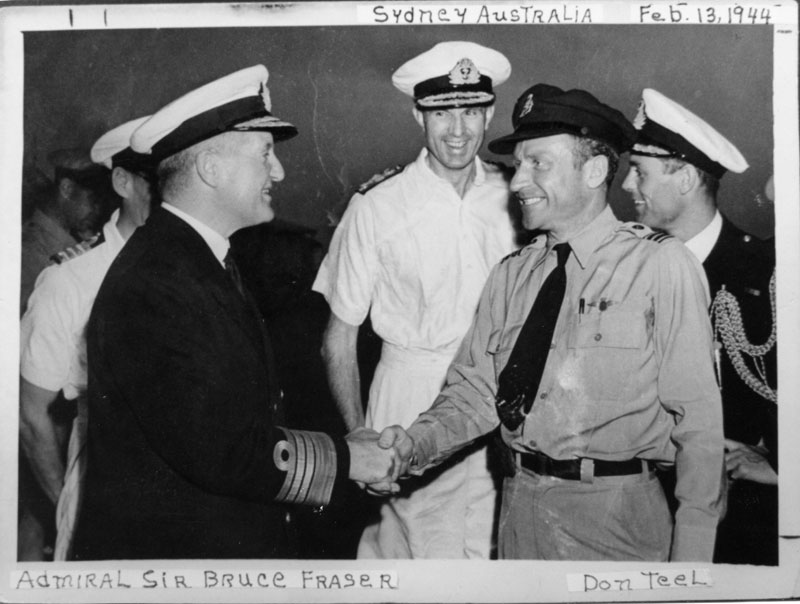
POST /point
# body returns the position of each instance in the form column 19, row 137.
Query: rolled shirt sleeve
column 347, row 275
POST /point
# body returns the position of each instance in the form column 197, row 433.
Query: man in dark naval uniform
column 187, row 456
column 676, row 165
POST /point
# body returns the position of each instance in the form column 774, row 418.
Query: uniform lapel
column 215, row 281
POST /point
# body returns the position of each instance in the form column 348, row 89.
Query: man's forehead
column 554, row 143
column 250, row 138
column 644, row 160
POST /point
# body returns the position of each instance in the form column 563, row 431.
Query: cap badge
column 265, row 97
column 464, row 72
column 527, row 107
column 641, row 116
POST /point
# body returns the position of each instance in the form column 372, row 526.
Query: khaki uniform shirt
column 629, row 374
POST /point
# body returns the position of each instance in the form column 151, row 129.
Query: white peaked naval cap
column 113, row 143
column 453, row 74
column 663, row 123
column 238, row 102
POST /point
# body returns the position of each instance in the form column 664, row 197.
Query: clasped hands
column 748, row 462
column 378, row 460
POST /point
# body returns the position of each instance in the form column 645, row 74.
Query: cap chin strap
column 665, row 155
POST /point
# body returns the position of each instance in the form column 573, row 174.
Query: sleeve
column 34, row 260
column 687, row 388
column 48, row 331
column 347, row 275
column 464, row 410
column 197, row 387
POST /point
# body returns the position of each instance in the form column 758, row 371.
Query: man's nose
column 628, row 184
column 518, row 181
column 457, row 125
column 276, row 172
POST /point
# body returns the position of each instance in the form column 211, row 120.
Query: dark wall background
column 334, row 84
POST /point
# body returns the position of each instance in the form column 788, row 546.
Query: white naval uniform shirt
column 415, row 255
column 52, row 343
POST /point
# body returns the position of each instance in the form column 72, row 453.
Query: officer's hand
column 403, row 444
column 370, row 463
column 748, row 462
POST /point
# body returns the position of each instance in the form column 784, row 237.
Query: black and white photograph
column 400, row 301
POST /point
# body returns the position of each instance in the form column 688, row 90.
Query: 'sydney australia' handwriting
column 204, row 579
column 479, row 14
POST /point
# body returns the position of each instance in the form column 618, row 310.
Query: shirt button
column 598, row 337
column 532, row 444
column 543, row 395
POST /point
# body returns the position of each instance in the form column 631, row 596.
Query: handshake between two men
column 377, row 460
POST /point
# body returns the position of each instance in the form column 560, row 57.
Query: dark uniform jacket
column 185, row 458
column 743, row 265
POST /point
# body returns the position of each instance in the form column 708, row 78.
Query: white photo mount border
column 414, row 580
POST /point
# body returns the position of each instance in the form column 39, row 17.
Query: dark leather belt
column 570, row 469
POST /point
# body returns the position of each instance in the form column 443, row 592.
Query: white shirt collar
column 480, row 172
column 702, row 243
column 219, row 245
column 111, row 232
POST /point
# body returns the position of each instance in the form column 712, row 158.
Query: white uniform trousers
column 449, row 512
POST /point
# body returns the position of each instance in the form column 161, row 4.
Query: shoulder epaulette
column 78, row 249
column 512, row 254
column 379, row 178
column 643, row 232
column 530, row 246
column 657, row 236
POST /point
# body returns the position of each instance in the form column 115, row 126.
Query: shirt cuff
column 312, row 463
column 424, row 447
column 693, row 544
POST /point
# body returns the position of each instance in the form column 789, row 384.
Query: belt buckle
column 587, row 470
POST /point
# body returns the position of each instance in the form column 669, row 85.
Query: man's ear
column 419, row 117
column 121, row 181
column 595, row 170
column 207, row 164
column 688, row 178
column 489, row 116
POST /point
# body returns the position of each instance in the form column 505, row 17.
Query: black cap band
column 215, row 121
column 133, row 162
column 654, row 134
column 442, row 85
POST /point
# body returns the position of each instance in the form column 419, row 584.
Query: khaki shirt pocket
column 606, row 351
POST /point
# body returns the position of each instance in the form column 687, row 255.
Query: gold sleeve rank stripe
column 309, row 460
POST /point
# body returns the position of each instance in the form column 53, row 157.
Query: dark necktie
column 233, row 273
column 519, row 379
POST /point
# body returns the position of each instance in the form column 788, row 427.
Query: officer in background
column 676, row 167
column 592, row 349
column 52, row 344
column 68, row 212
column 413, row 250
